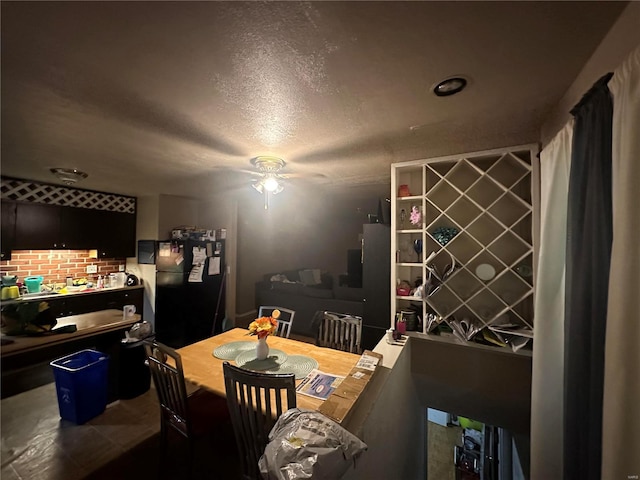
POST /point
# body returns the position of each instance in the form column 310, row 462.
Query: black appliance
column 187, row 311
column 376, row 272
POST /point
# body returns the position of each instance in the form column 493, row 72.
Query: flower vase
column 262, row 349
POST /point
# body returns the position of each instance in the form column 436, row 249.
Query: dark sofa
column 306, row 293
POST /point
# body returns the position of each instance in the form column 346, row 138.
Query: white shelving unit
column 485, row 199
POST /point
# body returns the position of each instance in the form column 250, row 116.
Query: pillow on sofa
column 310, row 276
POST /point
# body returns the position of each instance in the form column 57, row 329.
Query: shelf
column 476, row 209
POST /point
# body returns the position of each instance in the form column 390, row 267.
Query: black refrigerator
column 376, row 283
column 190, row 290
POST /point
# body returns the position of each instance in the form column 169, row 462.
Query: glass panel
column 523, row 229
column 508, row 209
column 484, row 192
column 485, row 229
column 462, row 176
column 463, row 247
column 464, row 284
column 508, row 248
column 443, row 195
column 507, row 170
column 463, row 211
column 510, row 287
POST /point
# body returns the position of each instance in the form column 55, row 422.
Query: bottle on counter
column 100, row 283
column 69, row 281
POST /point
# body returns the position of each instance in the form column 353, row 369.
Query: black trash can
column 134, row 374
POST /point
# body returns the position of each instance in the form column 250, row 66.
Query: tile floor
column 121, row 443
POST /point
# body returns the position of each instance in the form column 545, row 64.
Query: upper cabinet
column 464, row 230
column 56, row 217
column 8, row 228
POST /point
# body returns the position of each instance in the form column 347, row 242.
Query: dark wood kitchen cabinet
column 76, row 304
column 117, row 234
column 8, row 238
column 42, row 227
column 38, row 227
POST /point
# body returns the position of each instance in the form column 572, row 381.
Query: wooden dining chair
column 192, row 416
column 340, row 331
column 256, row 401
column 284, row 321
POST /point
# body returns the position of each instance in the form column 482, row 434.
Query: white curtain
column 621, row 408
column 548, row 347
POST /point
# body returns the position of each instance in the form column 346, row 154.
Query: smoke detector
column 69, row 176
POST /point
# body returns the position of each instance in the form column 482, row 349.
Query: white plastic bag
column 306, row 444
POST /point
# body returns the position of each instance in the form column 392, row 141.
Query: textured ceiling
column 175, row 97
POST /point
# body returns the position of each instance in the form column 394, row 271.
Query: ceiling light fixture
column 270, row 182
column 69, row 176
column 450, row 86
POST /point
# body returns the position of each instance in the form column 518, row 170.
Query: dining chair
column 191, row 415
column 284, row 320
column 338, row 330
column 256, row 401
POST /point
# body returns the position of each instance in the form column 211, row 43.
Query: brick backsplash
column 55, row 265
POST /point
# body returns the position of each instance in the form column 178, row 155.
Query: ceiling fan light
column 271, row 184
column 258, row 185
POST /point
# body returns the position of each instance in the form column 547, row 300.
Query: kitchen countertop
column 88, row 324
column 52, row 296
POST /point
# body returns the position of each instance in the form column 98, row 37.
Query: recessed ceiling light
column 450, row 86
column 68, row 175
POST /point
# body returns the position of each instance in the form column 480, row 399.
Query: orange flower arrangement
column 264, row 326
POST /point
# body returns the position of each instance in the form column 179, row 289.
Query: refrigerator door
column 170, row 279
column 371, row 336
column 172, row 256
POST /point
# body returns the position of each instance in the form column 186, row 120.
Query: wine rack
column 476, row 223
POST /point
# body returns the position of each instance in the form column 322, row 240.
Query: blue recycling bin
column 81, row 384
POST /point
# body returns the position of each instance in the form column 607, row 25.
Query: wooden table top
column 88, row 324
column 205, row 370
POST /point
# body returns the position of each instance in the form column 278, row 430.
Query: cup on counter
column 10, row 292
column 128, row 311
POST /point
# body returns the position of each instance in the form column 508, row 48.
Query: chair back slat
column 255, row 402
column 284, row 321
column 339, row 331
column 170, row 386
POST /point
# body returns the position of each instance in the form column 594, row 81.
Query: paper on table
column 318, row 384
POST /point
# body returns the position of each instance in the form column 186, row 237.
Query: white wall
column 623, row 37
column 146, row 229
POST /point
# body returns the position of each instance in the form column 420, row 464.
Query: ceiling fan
column 270, row 181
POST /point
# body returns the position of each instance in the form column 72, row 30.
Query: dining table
column 202, row 368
